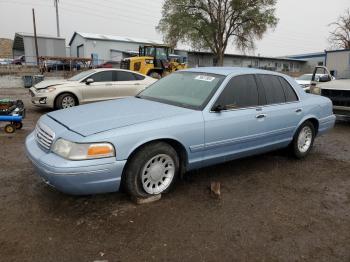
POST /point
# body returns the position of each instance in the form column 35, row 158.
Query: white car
column 305, row 80
column 89, row 86
column 5, row 61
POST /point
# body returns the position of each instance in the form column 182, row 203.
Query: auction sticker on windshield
column 205, row 78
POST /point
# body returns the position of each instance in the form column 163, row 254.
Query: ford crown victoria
column 187, row 120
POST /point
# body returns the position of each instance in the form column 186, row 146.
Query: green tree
column 214, row 24
column 340, row 36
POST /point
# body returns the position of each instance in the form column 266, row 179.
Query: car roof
column 226, row 71
column 116, row 69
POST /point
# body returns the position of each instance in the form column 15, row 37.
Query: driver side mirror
column 218, row 108
column 89, row 81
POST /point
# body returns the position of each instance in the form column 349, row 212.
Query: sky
column 302, row 28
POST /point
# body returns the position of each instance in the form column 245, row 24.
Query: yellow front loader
column 154, row 61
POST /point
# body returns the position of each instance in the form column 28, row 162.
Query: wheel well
column 179, row 148
column 75, row 97
column 159, row 71
column 315, row 122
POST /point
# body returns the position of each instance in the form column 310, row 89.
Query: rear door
column 127, row 83
column 101, row 88
column 240, row 126
column 283, row 110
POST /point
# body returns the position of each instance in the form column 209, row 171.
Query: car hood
column 339, row 84
column 99, row 117
column 48, row 83
column 303, row 82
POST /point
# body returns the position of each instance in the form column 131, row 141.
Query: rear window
column 273, row 89
column 288, row 90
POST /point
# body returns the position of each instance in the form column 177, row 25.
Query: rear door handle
column 260, row 116
column 299, row 110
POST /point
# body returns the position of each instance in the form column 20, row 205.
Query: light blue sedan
column 187, row 120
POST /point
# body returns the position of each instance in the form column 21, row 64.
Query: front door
column 238, row 128
column 101, row 89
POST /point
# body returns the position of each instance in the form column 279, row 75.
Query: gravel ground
column 272, row 208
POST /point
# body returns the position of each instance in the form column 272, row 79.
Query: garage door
column 116, row 55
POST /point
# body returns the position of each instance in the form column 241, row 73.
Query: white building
column 105, row 47
column 338, row 62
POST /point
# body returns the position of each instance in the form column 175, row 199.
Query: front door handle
column 260, row 116
column 299, row 110
column 108, row 84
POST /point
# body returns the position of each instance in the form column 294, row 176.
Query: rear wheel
column 155, row 75
column 65, row 101
column 10, row 128
column 303, row 140
column 18, row 125
column 152, row 170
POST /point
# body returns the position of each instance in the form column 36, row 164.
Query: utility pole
column 57, row 18
column 35, row 39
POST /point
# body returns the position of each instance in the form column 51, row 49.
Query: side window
column 105, row 76
column 288, row 90
column 139, row 77
column 273, row 89
column 125, row 76
column 240, row 92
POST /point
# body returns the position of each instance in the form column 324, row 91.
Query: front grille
column 338, row 97
column 125, row 64
column 44, row 136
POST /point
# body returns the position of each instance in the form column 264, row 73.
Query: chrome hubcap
column 157, row 174
column 305, row 139
column 68, row 101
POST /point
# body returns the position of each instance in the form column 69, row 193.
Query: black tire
column 132, row 178
column 60, row 101
column 10, row 129
column 18, row 125
column 295, row 150
column 155, row 75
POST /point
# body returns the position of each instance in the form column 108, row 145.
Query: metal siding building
column 201, row 59
column 338, row 62
column 105, row 47
column 313, row 59
column 24, row 44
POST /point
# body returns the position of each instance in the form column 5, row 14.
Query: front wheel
column 152, row 170
column 65, row 101
column 303, row 140
column 10, row 128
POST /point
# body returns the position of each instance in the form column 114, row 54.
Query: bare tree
column 340, row 36
column 213, row 24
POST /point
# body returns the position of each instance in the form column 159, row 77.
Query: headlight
column 46, row 90
column 75, row 151
column 315, row 90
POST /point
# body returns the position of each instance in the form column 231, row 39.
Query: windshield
column 81, row 75
column 185, row 89
column 305, row 77
column 158, row 52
